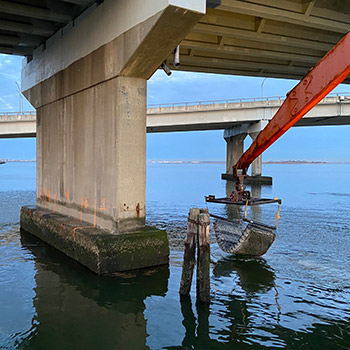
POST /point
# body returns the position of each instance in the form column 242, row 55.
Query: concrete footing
column 97, row 249
column 251, row 180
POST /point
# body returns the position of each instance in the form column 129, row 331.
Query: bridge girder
column 267, row 38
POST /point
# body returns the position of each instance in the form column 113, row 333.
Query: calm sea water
column 296, row 297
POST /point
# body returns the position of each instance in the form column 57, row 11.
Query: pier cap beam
column 118, row 38
column 234, row 138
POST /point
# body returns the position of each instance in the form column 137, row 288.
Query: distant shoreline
column 18, row 160
column 287, row 162
column 223, row 162
column 301, row 162
column 186, row 162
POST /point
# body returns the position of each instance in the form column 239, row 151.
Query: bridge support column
column 234, row 150
column 91, row 155
column 234, row 138
column 256, row 169
column 91, row 132
column 257, row 164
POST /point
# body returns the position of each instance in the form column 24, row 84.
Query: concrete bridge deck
column 281, row 38
column 218, row 115
column 204, row 115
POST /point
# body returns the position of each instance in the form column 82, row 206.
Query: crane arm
column 318, row 83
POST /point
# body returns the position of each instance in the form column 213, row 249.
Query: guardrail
column 199, row 103
column 18, row 113
column 230, row 101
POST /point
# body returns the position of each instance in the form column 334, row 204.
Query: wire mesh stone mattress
column 253, row 239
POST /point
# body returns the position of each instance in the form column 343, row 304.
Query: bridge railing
column 215, row 102
column 18, row 113
column 227, row 102
column 193, row 104
column 17, row 116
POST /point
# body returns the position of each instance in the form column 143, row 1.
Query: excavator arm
column 257, row 238
column 320, row 81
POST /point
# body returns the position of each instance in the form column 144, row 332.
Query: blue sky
column 309, row 143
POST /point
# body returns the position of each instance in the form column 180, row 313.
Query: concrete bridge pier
column 256, row 167
column 234, row 150
column 88, row 85
column 234, row 138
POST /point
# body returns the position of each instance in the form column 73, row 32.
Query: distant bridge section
column 205, row 115
column 17, row 124
column 224, row 114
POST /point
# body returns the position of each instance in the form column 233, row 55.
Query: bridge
column 84, row 56
column 238, row 117
column 205, row 115
column 224, row 114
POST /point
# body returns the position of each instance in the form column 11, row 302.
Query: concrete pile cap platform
column 97, row 249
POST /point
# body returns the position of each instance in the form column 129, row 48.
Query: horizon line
column 195, row 161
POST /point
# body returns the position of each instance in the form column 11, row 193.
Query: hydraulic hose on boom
column 318, row 83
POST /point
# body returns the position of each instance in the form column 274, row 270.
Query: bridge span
column 237, row 117
column 224, row 114
column 205, row 115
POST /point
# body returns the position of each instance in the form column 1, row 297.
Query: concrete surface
column 257, row 163
column 219, row 115
column 266, row 38
column 120, row 32
column 95, row 248
column 91, row 155
column 234, row 150
column 251, row 180
column 16, row 125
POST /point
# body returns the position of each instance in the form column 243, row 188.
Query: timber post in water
column 203, row 259
column 197, row 237
column 190, row 252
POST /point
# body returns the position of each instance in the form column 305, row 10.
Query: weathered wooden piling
column 190, row 252
column 197, row 239
column 203, row 259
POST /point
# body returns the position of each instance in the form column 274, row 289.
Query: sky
column 307, row 143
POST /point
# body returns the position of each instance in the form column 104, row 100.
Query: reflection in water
column 77, row 309
column 235, row 212
column 256, row 210
column 242, row 332
column 254, row 274
column 196, row 333
column 252, row 319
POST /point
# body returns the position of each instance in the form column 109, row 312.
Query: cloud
column 10, row 73
column 6, row 104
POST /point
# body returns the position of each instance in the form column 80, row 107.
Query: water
column 296, row 297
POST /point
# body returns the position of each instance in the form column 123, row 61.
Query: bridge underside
column 267, row 38
column 27, row 24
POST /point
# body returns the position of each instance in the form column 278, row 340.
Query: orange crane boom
column 321, row 80
column 318, row 83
